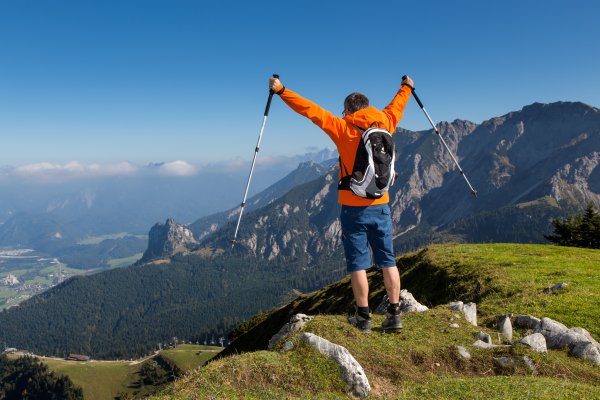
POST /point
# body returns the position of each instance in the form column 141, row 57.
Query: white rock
column 287, row 346
column 456, row 305
column 505, row 327
column 555, row 288
column 567, row 339
column 527, row 322
column 352, row 372
column 484, row 337
column 536, row 342
column 470, row 311
column 550, row 328
column 463, row 352
column 587, row 351
column 408, row 303
column 296, row 323
column 483, row 345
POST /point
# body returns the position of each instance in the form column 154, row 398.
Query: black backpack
column 373, row 172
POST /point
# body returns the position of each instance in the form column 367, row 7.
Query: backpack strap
column 344, row 183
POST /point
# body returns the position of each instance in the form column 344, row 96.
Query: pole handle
column 412, row 89
column 271, row 93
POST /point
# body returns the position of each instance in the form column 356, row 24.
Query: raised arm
column 324, row 119
column 395, row 109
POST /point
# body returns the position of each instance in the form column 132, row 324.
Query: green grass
column 124, row 262
column 499, row 387
column 189, row 357
column 106, row 379
column 422, row 361
column 98, row 379
column 509, row 278
column 101, row 238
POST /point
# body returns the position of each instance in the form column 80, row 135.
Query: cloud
column 72, row 169
column 177, row 168
column 57, row 172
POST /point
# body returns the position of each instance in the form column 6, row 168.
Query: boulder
column 287, row 346
column 527, row 322
column 550, row 328
column 408, row 303
column 585, row 334
column 555, row 288
column 536, row 342
column 586, row 351
column 483, row 345
column 463, row 352
column 566, row 339
column 456, row 305
column 352, row 372
column 509, row 364
column 470, row 311
column 505, row 327
column 296, row 323
column 484, row 337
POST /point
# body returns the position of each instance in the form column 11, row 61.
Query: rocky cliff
column 528, row 166
column 168, row 239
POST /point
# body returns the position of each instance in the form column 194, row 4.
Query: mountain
column 528, row 167
column 126, row 312
column 49, row 234
column 306, row 171
column 166, row 240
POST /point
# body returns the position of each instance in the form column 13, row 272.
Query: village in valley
column 25, row 273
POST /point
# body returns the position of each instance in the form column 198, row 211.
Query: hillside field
column 422, row 361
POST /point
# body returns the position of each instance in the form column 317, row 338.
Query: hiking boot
column 364, row 324
column 392, row 322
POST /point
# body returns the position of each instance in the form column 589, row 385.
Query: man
column 365, row 222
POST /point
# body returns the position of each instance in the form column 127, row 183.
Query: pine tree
column 581, row 230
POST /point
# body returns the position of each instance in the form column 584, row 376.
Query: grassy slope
column 105, row 379
column 189, row 357
column 421, row 362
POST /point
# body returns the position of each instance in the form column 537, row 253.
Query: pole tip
column 474, row 193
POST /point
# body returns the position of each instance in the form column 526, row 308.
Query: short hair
column 356, row 101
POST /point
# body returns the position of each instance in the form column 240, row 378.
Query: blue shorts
column 364, row 226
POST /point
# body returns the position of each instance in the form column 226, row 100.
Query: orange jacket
column 345, row 135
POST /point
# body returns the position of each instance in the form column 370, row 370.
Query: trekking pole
column 262, row 128
column 473, row 191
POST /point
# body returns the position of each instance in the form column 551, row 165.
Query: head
column 355, row 102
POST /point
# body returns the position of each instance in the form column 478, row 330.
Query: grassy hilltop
column 102, row 380
column 422, row 361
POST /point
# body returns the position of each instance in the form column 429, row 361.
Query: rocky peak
column 165, row 240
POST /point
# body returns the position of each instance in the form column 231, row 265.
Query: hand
column 274, row 83
column 407, row 81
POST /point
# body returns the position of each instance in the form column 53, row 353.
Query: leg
column 356, row 249
column 360, row 287
column 391, row 281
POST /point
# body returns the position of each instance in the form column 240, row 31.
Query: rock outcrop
column 296, row 323
column 352, row 372
column 168, row 239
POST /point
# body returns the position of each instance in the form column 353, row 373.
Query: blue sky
column 150, row 81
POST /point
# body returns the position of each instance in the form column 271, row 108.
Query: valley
column 26, row 272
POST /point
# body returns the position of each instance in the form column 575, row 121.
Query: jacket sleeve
column 324, row 119
column 395, row 109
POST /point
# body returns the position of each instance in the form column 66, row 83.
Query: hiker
column 365, row 221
